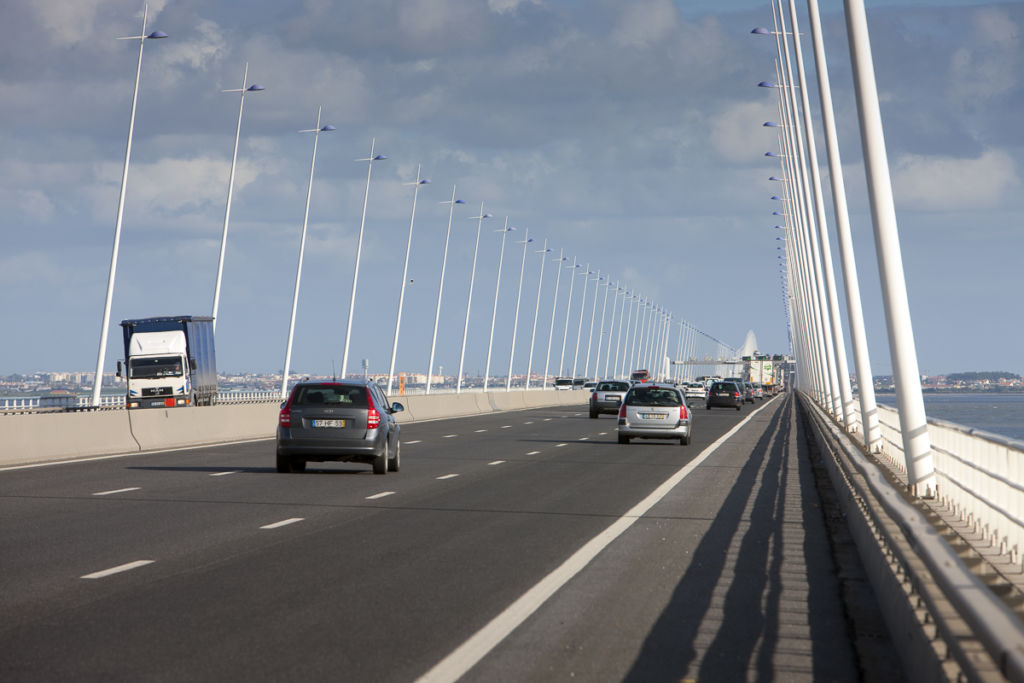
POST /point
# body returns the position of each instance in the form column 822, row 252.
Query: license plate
column 617, row 399
column 328, row 423
column 653, row 416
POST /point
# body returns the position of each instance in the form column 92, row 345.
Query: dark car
column 607, row 397
column 725, row 395
column 348, row 421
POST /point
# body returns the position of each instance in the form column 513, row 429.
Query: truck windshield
column 149, row 368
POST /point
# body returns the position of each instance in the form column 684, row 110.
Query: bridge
column 813, row 535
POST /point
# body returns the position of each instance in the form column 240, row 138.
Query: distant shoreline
column 968, row 392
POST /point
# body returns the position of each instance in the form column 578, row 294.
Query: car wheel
column 380, row 461
column 708, row 407
column 738, row 407
column 284, row 464
column 298, row 465
column 396, row 462
column 623, row 439
column 593, row 414
column 684, row 440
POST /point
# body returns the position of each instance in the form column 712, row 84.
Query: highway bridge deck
column 205, row 564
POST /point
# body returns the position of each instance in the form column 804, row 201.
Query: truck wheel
column 396, row 462
column 380, row 461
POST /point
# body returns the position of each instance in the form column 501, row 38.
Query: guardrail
column 949, row 624
column 979, row 476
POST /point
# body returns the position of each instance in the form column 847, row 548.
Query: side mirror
column 118, row 368
column 192, row 363
column 283, row 404
column 397, row 407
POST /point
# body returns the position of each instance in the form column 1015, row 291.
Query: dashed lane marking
column 117, row 570
column 409, row 443
column 496, row 462
column 584, row 438
column 382, row 494
column 447, row 476
column 283, row 522
column 559, row 445
column 449, row 436
column 534, row 453
column 480, row 431
column 110, row 493
column 224, row 474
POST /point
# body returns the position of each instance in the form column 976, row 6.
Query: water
column 1001, row 414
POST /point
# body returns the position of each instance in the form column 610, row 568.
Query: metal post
column 440, row 287
column 494, row 312
column 515, row 320
column 405, row 274
column 536, row 311
column 469, row 299
column 551, row 327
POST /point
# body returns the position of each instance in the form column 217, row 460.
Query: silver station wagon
column 654, row 411
column 349, row 421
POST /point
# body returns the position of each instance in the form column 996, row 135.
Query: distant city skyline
column 628, row 135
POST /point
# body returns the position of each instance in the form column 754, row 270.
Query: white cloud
column 645, row 23
column 939, row 183
column 506, row 6
column 206, row 49
column 737, row 133
column 988, row 65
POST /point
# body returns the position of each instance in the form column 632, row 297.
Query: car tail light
column 622, row 410
column 736, row 395
column 372, row 416
column 593, row 396
column 682, row 412
column 284, row 418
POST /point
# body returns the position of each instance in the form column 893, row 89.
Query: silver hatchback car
column 348, row 421
column 654, row 411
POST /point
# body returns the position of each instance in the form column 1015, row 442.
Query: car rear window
column 613, row 386
column 724, row 386
column 334, row 394
column 653, row 396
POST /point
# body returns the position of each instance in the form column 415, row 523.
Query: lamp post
column 101, row 356
column 494, row 312
column 611, row 329
column 623, row 343
column 554, row 305
column 243, row 91
column 536, row 310
column 405, row 274
column 359, row 250
column 590, row 336
column 568, row 307
column 469, row 299
column 302, row 248
column 600, row 328
column 583, row 309
column 515, row 321
column 440, row 287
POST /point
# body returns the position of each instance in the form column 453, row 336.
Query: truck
column 169, row 361
column 762, row 371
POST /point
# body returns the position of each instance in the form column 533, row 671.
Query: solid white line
column 447, row 476
column 467, row 655
column 382, row 494
column 534, row 453
column 283, row 522
column 409, row 443
column 449, row 436
column 117, row 570
column 496, row 462
column 110, row 493
column 224, row 474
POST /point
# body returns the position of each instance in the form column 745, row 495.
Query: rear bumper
column 605, row 406
column 321, row 450
column 636, row 431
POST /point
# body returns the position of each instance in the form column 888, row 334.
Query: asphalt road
column 524, row 546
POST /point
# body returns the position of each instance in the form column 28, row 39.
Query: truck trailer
column 169, row 361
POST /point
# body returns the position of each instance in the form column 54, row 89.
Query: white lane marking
column 467, row 655
column 447, row 476
column 117, row 570
column 449, row 436
column 110, row 493
column 283, row 522
column 584, row 438
column 382, row 494
column 496, row 462
column 528, row 423
column 547, row 419
column 602, row 433
column 559, row 445
column 507, row 427
column 479, row 431
column 409, row 443
column 534, row 453
column 224, row 474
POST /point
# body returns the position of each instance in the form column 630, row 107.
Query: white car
column 695, row 390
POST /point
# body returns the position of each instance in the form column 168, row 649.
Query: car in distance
column 725, row 395
column 348, row 421
column 607, row 397
column 694, row 390
column 640, row 376
column 758, row 390
column 654, row 411
column 563, row 384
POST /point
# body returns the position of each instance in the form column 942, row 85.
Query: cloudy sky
column 627, row 134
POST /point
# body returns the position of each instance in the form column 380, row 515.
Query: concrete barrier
column 50, row 437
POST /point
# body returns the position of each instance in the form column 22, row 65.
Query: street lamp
column 515, row 321
column 469, row 300
column 405, row 273
column 554, row 306
column 536, row 311
column 359, row 249
column 568, row 307
column 98, row 382
column 302, row 247
column 494, row 312
column 583, row 310
column 243, row 91
column 600, row 329
column 440, row 287
column 611, row 330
